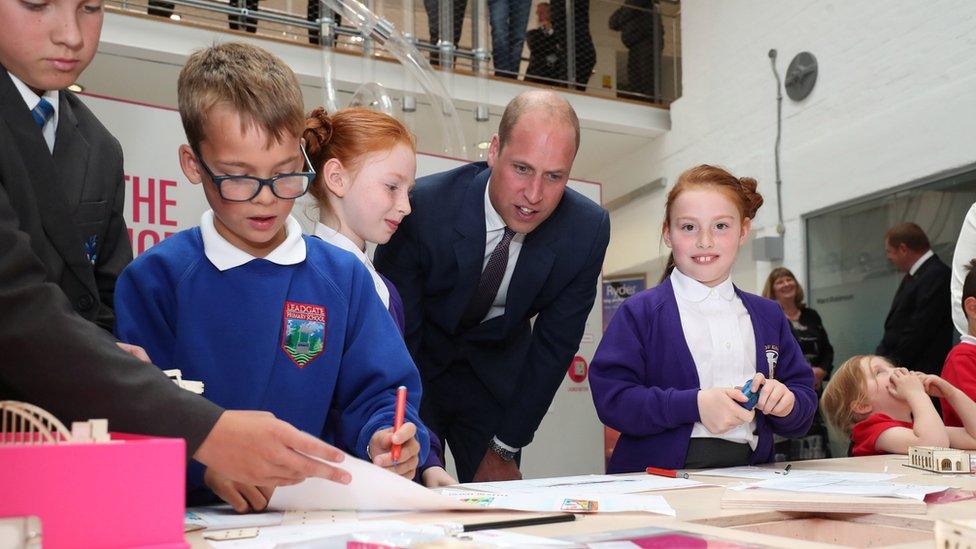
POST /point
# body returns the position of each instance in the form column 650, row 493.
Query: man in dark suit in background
column 63, row 242
column 488, row 248
column 918, row 330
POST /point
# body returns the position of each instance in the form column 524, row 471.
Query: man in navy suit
column 489, row 247
column 918, row 331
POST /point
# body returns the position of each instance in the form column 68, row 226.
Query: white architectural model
column 177, row 377
column 23, row 423
column 939, row 460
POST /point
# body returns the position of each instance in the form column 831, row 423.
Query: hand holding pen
column 396, row 448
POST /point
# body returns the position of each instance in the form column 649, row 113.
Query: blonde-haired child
column 886, row 409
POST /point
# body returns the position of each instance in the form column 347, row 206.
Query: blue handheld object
column 753, row 396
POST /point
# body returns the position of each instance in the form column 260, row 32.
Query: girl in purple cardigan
column 365, row 163
column 668, row 371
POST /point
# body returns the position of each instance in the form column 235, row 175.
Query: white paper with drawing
column 372, row 489
column 564, row 502
column 850, row 488
column 585, row 484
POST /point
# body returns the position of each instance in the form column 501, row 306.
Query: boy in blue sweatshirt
column 267, row 318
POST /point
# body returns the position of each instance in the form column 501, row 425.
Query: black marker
column 515, row 523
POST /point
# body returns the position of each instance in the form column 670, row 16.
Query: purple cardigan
column 436, row 448
column 645, row 384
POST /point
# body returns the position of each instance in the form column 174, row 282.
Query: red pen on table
column 671, row 473
column 401, row 409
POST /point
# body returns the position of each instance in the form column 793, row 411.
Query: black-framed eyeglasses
column 243, row 188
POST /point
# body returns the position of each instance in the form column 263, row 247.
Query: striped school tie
column 42, row 112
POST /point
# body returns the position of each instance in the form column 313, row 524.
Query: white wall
column 895, row 101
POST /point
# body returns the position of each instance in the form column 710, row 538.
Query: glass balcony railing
column 628, row 49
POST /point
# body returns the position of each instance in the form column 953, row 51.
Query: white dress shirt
column 32, row 99
column 494, row 231
column 225, row 255
column 336, row 238
column 719, row 333
column 965, row 251
column 918, row 264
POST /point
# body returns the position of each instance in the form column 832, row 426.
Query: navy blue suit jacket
column 435, row 260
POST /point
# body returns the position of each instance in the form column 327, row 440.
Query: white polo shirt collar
column 225, row 255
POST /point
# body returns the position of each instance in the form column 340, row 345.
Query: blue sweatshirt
column 309, row 342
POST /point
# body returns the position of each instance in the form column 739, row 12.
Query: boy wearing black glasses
column 267, row 318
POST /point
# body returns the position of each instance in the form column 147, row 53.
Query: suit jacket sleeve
column 116, row 251
column 931, row 311
column 83, row 374
column 793, row 371
column 555, row 339
column 401, row 262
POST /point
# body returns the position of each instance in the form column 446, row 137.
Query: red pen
column 401, row 409
column 666, row 472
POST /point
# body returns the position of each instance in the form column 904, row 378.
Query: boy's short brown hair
column 257, row 85
column 846, row 388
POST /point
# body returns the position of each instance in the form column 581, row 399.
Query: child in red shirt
column 960, row 366
column 887, row 409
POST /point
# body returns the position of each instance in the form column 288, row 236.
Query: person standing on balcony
column 241, row 22
column 583, row 52
column 433, row 22
column 546, row 50
column 643, row 34
column 509, row 20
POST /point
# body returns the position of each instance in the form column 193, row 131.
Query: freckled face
column 704, row 233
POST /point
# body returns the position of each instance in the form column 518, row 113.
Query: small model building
column 939, row 460
column 23, row 423
column 177, row 377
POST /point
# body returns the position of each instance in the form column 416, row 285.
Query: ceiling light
column 175, row 17
column 482, row 145
column 76, row 87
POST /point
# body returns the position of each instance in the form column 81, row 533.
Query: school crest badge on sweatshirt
column 303, row 335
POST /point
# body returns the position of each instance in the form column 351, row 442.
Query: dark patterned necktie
column 491, row 279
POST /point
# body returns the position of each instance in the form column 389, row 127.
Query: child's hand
column 244, row 498
column 935, row 386
column 135, row 351
column 435, row 477
column 905, row 384
column 719, row 409
column 775, row 399
column 381, row 444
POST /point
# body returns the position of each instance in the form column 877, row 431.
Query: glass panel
column 851, row 284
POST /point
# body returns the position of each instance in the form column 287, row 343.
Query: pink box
column 124, row 493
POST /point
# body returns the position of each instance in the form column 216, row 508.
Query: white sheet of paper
column 850, row 488
column 566, row 502
column 765, row 473
column 372, row 489
column 273, row 536
column 223, row 517
column 505, row 538
column 585, row 484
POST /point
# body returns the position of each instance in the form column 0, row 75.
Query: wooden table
column 699, row 511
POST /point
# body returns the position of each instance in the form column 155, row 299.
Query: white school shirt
column 719, row 334
column 336, row 238
column 32, row 99
column 494, row 231
column 224, row 255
